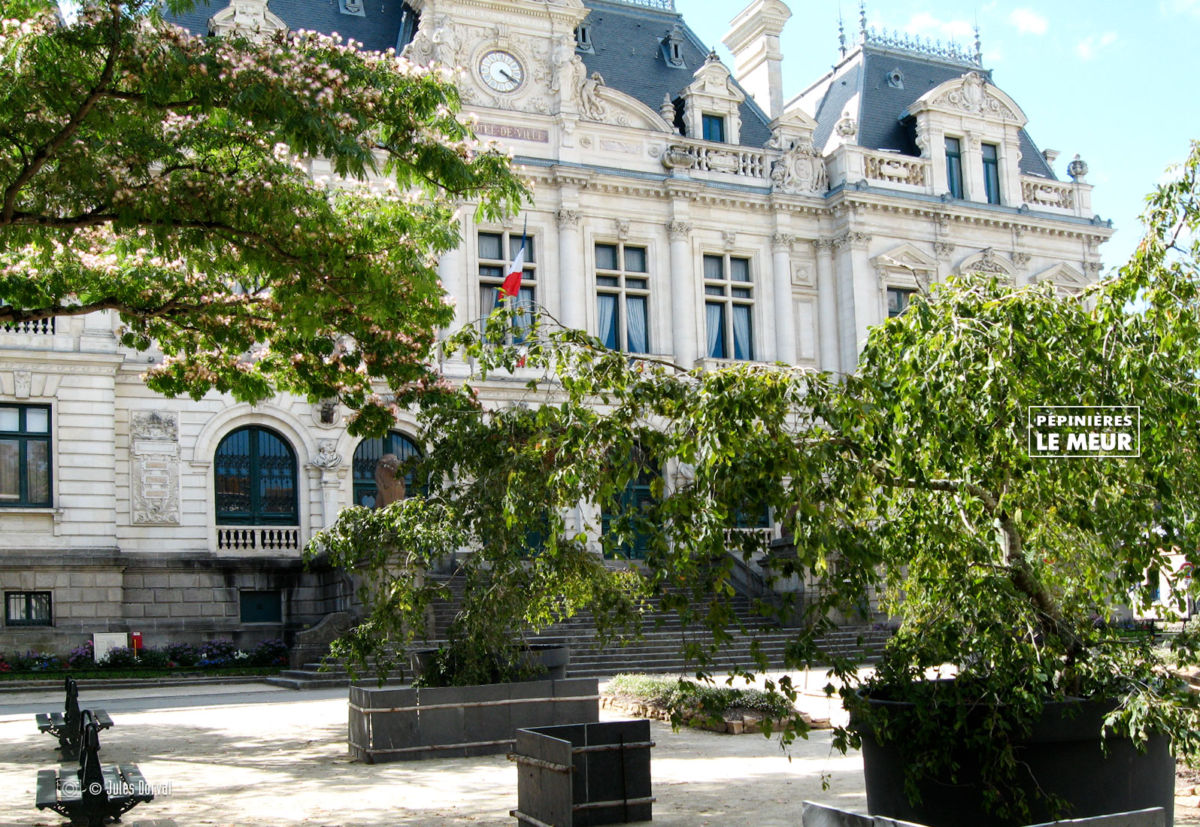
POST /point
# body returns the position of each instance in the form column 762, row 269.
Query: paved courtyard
column 254, row 755
column 251, row 754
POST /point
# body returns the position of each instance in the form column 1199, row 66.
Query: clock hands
column 506, row 75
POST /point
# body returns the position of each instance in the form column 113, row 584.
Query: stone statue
column 389, row 482
column 589, row 97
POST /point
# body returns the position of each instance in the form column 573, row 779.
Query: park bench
column 66, row 725
column 93, row 794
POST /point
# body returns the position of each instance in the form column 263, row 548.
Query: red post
column 136, row 637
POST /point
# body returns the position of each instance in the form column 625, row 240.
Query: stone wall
column 165, row 597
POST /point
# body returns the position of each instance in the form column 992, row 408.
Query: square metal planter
column 583, row 774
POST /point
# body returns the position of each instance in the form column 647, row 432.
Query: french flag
column 512, row 279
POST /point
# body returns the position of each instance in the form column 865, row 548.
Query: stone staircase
column 659, row 649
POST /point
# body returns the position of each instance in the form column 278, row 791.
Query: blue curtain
column 716, row 329
column 635, row 323
column 606, row 328
column 743, row 338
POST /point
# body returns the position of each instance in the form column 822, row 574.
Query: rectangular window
column 27, row 609
column 954, row 167
column 262, row 606
column 729, row 307
column 991, row 173
column 898, row 300
column 25, row 455
column 714, row 128
column 622, row 297
column 493, row 267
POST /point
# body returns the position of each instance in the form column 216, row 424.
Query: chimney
column 753, row 38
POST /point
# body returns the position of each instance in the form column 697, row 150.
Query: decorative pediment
column 712, row 92
column 249, row 18
column 990, row 263
column 604, row 104
column 971, row 95
column 792, row 127
column 1065, row 277
column 905, row 266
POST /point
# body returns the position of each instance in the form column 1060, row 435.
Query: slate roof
column 628, row 55
column 880, row 107
column 625, row 38
column 377, row 30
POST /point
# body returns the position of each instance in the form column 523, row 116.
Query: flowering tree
column 170, row 178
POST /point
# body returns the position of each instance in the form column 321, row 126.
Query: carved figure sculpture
column 388, row 481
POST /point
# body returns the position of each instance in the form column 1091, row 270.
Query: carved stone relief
column 154, row 468
column 972, row 96
column 801, row 170
column 22, row 382
column 251, row 18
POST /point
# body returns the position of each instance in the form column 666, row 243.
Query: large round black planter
column 1065, row 757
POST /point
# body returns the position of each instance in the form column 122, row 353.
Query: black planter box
column 582, row 774
column 409, row 723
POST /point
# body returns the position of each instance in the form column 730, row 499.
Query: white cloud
column 926, row 25
column 1089, row 46
column 1170, row 7
column 1028, row 21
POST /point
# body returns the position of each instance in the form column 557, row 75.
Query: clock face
column 501, row 71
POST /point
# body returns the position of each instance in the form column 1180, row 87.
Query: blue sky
column 1114, row 81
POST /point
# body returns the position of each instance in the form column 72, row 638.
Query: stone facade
column 810, row 216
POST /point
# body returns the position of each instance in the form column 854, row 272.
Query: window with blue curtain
column 255, row 478
column 991, row 172
column 954, row 177
column 496, row 253
column 728, row 307
column 622, row 297
column 367, row 454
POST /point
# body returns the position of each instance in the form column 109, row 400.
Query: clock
column 501, row 71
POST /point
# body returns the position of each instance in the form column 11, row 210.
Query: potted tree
column 910, row 483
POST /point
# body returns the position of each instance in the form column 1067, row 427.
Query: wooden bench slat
column 103, row 721
column 136, row 782
column 47, row 789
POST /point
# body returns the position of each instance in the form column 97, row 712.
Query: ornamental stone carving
column 567, row 218
column 729, row 238
column 801, row 170
column 781, row 241
column 972, row 96
column 943, row 249
column 678, row 229
column 591, row 106
column 154, row 468
column 250, row 18
column 847, row 127
column 327, row 457
column 854, row 239
column 420, row 49
column 621, row 225
column 22, row 383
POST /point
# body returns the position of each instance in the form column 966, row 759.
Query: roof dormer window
column 583, row 39
column 672, row 47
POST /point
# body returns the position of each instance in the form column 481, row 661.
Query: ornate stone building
column 680, row 209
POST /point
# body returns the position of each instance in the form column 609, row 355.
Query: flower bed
column 216, row 656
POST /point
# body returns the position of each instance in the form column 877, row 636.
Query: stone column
column 452, row 271
column 683, row 299
column 827, row 324
column 857, row 295
column 328, row 471
column 785, row 313
column 565, row 295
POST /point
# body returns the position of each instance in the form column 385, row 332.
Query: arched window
column 368, row 453
column 630, row 506
column 255, row 479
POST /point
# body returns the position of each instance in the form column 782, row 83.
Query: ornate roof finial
column 978, row 46
column 841, row 32
column 862, row 19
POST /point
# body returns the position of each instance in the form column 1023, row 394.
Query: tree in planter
column 169, row 178
column 911, row 476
